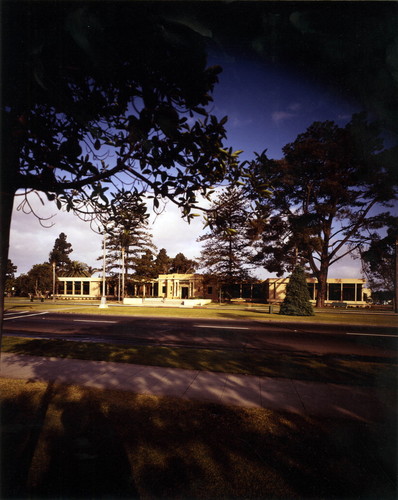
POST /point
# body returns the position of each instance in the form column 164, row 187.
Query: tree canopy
column 10, row 277
column 37, row 281
column 227, row 248
column 162, row 262
column 329, row 195
column 100, row 91
column 95, row 98
column 182, row 265
column 59, row 255
column 379, row 259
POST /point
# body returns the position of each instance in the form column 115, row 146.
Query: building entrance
column 184, row 292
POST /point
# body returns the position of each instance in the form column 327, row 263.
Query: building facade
column 350, row 291
column 197, row 286
column 77, row 287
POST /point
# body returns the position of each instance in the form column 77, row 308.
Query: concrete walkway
column 302, row 397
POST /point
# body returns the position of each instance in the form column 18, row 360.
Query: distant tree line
column 148, row 264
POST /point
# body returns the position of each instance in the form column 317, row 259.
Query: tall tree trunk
column 322, row 286
column 7, row 202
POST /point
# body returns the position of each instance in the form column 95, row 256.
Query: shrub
column 297, row 299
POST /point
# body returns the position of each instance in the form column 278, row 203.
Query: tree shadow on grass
column 112, row 444
column 378, row 372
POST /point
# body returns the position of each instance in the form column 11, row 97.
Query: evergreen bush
column 297, row 299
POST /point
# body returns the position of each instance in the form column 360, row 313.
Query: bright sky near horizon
column 267, row 109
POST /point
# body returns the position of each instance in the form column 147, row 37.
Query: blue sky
column 269, row 106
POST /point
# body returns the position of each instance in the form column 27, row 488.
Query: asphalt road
column 369, row 341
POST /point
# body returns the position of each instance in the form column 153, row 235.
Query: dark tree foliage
column 78, row 269
column 127, row 234
column 10, row 277
column 145, row 267
column 227, row 248
column 60, row 254
column 378, row 259
column 182, row 265
column 297, row 299
column 162, row 262
column 97, row 95
column 38, row 281
column 11, row 270
column 328, row 196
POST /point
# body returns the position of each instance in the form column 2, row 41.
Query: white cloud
column 174, row 234
column 30, row 243
column 280, row 116
column 295, row 106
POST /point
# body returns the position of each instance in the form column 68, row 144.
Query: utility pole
column 123, row 272
column 53, row 281
column 103, row 303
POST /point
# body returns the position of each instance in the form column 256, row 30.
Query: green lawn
column 255, row 312
column 72, row 442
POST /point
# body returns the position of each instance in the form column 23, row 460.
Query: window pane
column 69, row 287
column 86, row 288
column 349, row 291
column 334, row 291
column 78, row 287
column 258, row 291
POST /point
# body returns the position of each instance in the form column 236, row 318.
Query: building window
column 86, row 288
column 311, row 289
column 164, row 289
column 335, row 291
column 78, row 287
column 209, row 290
column 349, row 291
column 69, row 287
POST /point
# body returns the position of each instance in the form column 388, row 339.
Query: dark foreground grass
column 70, row 442
column 344, row 369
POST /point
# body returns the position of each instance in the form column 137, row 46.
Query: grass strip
column 63, row 441
column 300, row 366
column 258, row 313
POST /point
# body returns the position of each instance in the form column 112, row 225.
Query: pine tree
column 182, row 265
column 297, row 299
column 145, row 266
column 128, row 247
column 127, row 237
column 60, row 254
column 162, row 262
column 227, row 249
